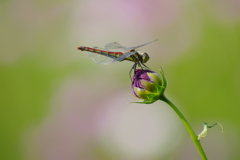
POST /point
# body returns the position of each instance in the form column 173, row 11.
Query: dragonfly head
column 145, row 57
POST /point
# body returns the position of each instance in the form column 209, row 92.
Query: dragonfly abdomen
column 102, row 52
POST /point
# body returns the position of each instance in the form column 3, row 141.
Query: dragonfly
column 106, row 56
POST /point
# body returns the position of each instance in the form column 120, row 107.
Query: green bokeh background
column 204, row 80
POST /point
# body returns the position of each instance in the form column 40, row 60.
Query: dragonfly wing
column 125, row 55
column 115, row 45
column 131, row 48
column 96, row 47
column 100, row 59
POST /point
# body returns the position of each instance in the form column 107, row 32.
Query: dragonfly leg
column 139, row 62
column 133, row 68
column 139, row 65
column 145, row 66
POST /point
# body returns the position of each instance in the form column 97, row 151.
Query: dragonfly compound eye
column 145, row 57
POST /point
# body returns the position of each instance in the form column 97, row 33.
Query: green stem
column 187, row 125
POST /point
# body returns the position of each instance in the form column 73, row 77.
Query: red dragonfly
column 105, row 56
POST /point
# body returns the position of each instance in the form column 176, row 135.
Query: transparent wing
column 115, row 45
column 101, row 59
column 131, row 48
column 125, row 55
column 100, row 48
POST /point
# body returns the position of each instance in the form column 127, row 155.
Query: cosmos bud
column 148, row 86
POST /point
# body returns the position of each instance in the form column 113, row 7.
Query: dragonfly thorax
column 145, row 57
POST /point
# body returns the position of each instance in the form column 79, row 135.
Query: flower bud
column 205, row 130
column 148, row 85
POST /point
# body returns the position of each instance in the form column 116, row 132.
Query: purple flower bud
column 148, row 85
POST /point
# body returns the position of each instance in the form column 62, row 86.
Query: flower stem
column 187, row 125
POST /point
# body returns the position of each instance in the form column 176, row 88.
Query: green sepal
column 164, row 80
column 148, row 98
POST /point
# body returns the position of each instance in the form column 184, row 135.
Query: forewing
column 131, row 48
column 115, row 45
column 125, row 55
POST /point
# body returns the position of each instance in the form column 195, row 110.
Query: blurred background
column 57, row 104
